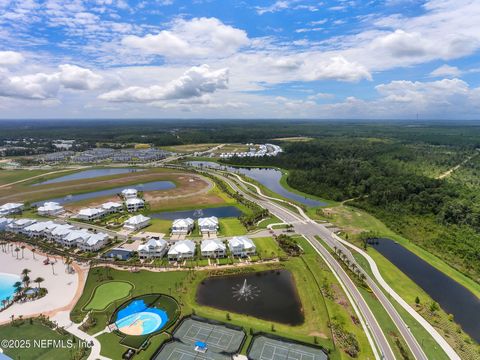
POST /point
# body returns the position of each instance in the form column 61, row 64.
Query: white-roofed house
column 18, row 225
column 60, row 232
column 4, row 222
column 136, row 222
column 182, row 226
column 134, row 204
column 50, row 208
column 94, row 243
column 241, row 246
column 184, row 249
column 153, row 248
column 39, row 229
column 112, row 207
column 213, row 248
column 208, row 225
column 129, row 193
column 11, row 208
column 75, row 237
column 90, row 214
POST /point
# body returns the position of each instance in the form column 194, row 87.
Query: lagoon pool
column 137, row 319
column 89, row 174
column 6, row 285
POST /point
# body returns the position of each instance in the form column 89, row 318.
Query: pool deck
column 63, row 289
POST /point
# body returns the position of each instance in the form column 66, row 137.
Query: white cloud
column 198, row 37
column 276, row 6
column 194, row 83
column 446, row 71
column 9, row 58
column 43, row 86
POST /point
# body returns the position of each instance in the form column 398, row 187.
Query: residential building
column 112, row 207
column 241, row 246
column 181, row 250
column 213, row 248
column 208, row 225
column 75, row 237
column 11, row 208
column 90, row 214
column 4, row 222
column 134, row 204
column 136, row 222
column 182, row 226
column 153, row 248
column 18, row 225
column 50, row 208
column 60, row 232
column 129, row 193
column 95, row 242
column 40, row 229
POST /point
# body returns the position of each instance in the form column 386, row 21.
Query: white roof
column 137, row 219
column 134, row 201
column 183, row 222
column 62, row 229
column 111, row 204
column 129, row 192
column 96, row 238
column 24, row 222
column 90, row 211
column 74, row 235
column 209, row 221
column 10, row 206
column 50, row 206
column 4, row 220
column 243, row 241
column 182, row 247
column 152, row 245
column 212, row 245
column 42, row 226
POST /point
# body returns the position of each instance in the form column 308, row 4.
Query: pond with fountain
column 268, row 295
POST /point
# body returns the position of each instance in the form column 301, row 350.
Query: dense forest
column 398, row 182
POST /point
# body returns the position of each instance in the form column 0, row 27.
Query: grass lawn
column 9, row 176
column 106, row 293
column 36, row 332
column 231, row 227
column 159, row 226
column 113, row 350
column 267, row 247
column 267, row 221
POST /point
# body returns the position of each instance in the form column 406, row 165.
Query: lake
column 450, row 295
column 268, row 177
column 88, row 174
column 273, row 297
column 149, row 186
column 219, row 212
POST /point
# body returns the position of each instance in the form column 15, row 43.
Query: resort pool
column 268, row 177
column 219, row 212
column 6, row 285
column 89, row 174
column 137, row 319
column 150, row 186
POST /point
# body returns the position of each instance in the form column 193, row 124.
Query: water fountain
column 197, row 213
column 245, row 291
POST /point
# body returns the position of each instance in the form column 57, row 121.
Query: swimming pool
column 139, row 319
column 6, row 285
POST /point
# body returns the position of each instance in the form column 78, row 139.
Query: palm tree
column 23, row 249
column 26, row 280
column 39, row 280
column 53, row 267
column 17, row 250
column 4, row 303
column 33, row 253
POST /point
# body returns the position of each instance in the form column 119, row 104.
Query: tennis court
column 221, row 341
column 264, row 348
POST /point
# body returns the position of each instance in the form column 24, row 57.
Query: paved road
column 304, row 225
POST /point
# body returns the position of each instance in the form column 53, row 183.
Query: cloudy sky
column 240, row 59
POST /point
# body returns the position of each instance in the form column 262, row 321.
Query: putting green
column 106, row 293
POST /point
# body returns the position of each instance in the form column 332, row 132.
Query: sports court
column 221, row 341
column 265, row 348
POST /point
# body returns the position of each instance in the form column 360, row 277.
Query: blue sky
column 240, row 59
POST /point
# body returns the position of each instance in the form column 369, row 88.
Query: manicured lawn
column 113, row 350
column 159, row 226
column 270, row 220
column 108, row 292
column 231, row 227
column 9, row 176
column 267, row 247
column 37, row 332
